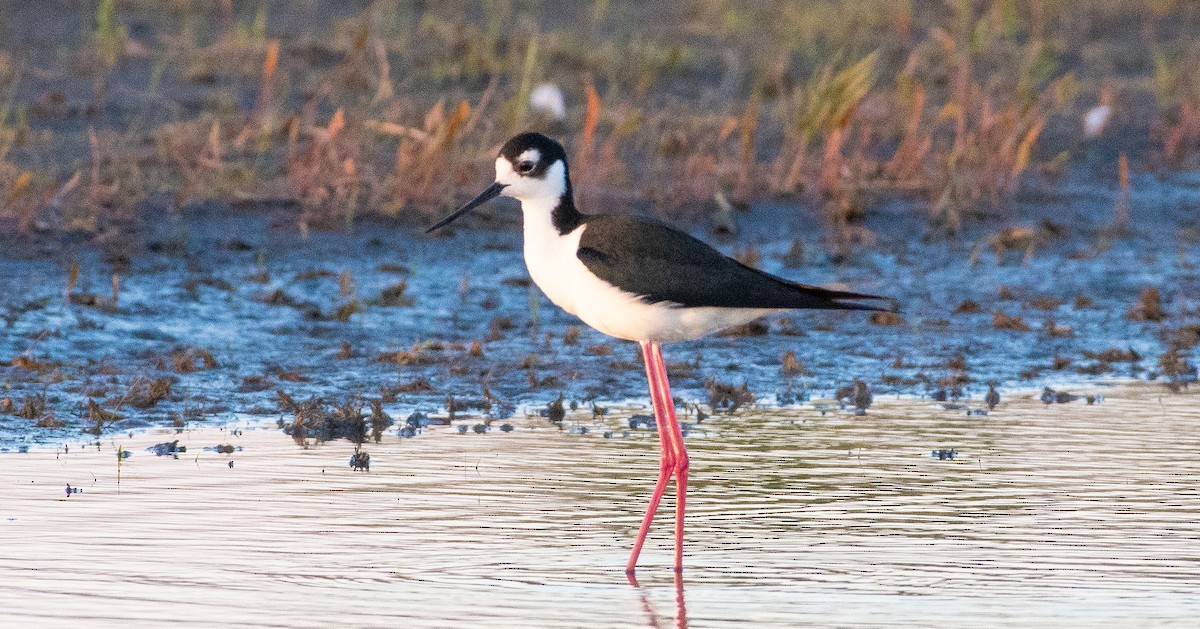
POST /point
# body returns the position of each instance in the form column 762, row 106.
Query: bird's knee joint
column 682, row 464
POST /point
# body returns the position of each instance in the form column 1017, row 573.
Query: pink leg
column 666, row 453
column 675, row 441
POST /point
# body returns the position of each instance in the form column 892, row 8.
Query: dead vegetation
column 728, row 398
column 1148, row 307
column 397, row 113
column 968, row 306
column 146, row 392
column 1175, row 363
column 1003, row 321
column 192, row 359
column 886, row 318
column 312, row 419
column 32, row 407
column 791, row 365
column 1179, row 372
column 394, row 295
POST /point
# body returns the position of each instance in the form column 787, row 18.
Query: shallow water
column 1066, row 513
column 206, row 279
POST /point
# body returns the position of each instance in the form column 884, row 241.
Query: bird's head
column 531, row 168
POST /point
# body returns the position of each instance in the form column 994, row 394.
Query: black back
column 663, row 264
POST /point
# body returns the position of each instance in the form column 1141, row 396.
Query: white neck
column 537, row 216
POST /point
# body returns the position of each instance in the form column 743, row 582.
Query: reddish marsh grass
column 385, row 110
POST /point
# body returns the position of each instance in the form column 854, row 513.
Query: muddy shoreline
column 223, row 308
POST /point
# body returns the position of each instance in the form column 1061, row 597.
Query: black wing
column 661, row 263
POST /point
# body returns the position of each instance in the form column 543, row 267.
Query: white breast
column 562, row 276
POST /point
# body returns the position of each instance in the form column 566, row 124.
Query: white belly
column 562, row 276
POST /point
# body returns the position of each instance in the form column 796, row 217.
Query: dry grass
column 396, row 111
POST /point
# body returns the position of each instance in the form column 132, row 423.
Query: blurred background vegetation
column 114, row 112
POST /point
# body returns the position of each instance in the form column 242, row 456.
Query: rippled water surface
column 1080, row 515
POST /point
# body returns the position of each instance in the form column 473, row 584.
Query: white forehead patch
column 530, row 155
column 504, row 170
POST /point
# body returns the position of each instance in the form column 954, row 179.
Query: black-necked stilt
column 636, row 279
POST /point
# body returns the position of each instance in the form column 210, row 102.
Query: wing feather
column 663, row 264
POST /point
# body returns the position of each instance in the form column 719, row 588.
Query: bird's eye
column 525, row 167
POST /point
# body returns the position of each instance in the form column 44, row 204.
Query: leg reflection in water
column 652, row 616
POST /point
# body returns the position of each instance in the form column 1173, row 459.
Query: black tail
column 777, row 292
column 816, row 297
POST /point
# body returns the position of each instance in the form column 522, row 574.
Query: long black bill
column 487, row 195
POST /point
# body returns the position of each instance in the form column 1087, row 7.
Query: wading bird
column 640, row 280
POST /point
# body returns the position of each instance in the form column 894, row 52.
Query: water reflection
column 651, row 615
